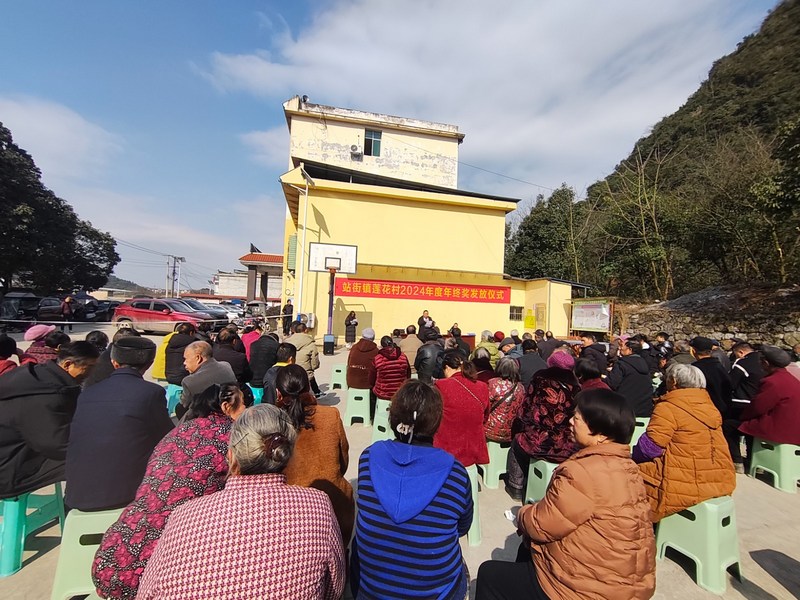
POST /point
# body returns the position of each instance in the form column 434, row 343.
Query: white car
column 231, row 310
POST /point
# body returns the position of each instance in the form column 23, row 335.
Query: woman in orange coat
column 683, row 456
column 320, row 455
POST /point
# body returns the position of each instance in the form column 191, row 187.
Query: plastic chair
column 357, row 407
column 498, row 455
column 173, row 397
column 18, row 523
column 641, row 427
column 258, row 394
column 474, row 534
column 380, row 425
column 339, row 377
column 83, row 532
column 539, row 474
column 415, row 376
column 706, row 533
column 780, row 460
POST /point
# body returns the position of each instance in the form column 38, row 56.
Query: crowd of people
column 250, row 471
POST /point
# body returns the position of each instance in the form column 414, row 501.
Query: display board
column 592, row 314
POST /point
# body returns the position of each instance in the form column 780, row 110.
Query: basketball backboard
column 346, row 255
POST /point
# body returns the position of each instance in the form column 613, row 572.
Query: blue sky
column 161, row 122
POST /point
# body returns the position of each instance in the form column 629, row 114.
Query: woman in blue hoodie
column 414, row 502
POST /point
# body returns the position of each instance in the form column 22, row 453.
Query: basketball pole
column 331, row 287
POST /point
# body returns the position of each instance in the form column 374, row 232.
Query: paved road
column 767, row 524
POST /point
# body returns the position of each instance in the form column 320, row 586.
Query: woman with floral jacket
column 506, row 394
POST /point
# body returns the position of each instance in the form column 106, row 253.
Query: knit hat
column 498, row 336
column 368, row 333
column 703, row 344
column 506, row 342
column 37, row 332
column 775, row 356
column 562, row 360
column 133, row 351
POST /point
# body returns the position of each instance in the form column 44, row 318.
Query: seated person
column 183, row 336
column 263, row 355
column 8, row 348
column 389, row 370
column 104, row 368
column 98, row 339
column 684, row 439
column 49, row 349
column 225, row 352
column 589, row 375
column 204, row 371
column 591, row 535
column 630, row 376
column 285, row 355
column 189, row 462
column 117, row 424
column 320, row 455
column 37, row 402
column 271, row 540
column 505, row 397
column 483, row 365
column 414, row 502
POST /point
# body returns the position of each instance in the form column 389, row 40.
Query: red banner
column 414, row 290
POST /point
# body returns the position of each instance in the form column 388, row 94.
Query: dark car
column 18, row 306
column 219, row 314
column 105, row 310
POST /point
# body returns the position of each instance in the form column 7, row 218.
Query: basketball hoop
column 333, row 263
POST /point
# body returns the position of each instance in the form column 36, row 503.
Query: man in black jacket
column 746, row 374
column 104, row 367
column 596, row 352
column 530, row 362
column 630, row 377
column 718, row 384
column 116, row 426
column 263, row 354
column 428, row 361
column 37, row 403
column 224, row 351
column 185, row 334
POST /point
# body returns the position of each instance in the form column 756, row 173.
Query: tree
column 45, row 246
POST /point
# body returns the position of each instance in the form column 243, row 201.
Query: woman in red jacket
column 389, row 370
column 466, row 403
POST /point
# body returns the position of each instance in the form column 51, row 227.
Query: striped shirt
column 415, row 554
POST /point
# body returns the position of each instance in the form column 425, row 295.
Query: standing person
column 68, row 312
column 350, row 324
column 320, row 457
column 409, row 345
column 307, row 355
column 187, row 463
column 258, row 526
column 37, row 403
column 425, row 321
column 263, row 355
column 541, row 430
column 506, row 395
column 389, row 370
column 359, row 360
column 204, row 371
column 287, row 312
column 414, row 502
column 591, row 535
column 530, row 362
column 465, row 402
column 718, row 383
column 117, row 424
column 630, row 376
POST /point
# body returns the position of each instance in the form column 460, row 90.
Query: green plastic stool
column 339, row 377
column 498, row 455
column 380, row 425
column 781, row 460
column 539, row 474
column 641, row 427
column 258, row 394
column 83, row 532
column 357, row 407
column 173, row 397
column 706, row 533
column 474, row 534
column 18, row 523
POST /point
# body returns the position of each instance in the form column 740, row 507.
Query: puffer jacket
column 159, row 368
column 491, row 348
column 428, row 361
column 359, row 362
column 591, row 535
column 307, row 353
column 630, row 377
column 173, row 356
column 696, row 464
column 389, row 370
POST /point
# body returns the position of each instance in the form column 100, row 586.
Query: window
column 159, row 306
column 372, row 143
column 515, row 313
column 142, row 305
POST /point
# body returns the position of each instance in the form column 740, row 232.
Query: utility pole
column 179, row 259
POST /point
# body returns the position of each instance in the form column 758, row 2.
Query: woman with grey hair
column 683, row 456
column 275, row 540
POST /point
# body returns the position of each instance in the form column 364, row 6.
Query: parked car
column 231, row 310
column 216, row 312
column 105, row 310
column 158, row 314
column 18, row 306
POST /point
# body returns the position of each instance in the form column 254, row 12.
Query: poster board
column 592, row 314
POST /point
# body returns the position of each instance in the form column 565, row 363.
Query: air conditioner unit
column 356, row 150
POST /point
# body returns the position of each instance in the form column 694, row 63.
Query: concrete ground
column 766, row 521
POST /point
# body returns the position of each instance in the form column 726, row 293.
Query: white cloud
column 65, row 145
column 546, row 92
column 269, row 147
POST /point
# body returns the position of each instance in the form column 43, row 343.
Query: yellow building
column 387, row 185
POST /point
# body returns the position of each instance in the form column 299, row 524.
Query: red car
column 159, row 315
